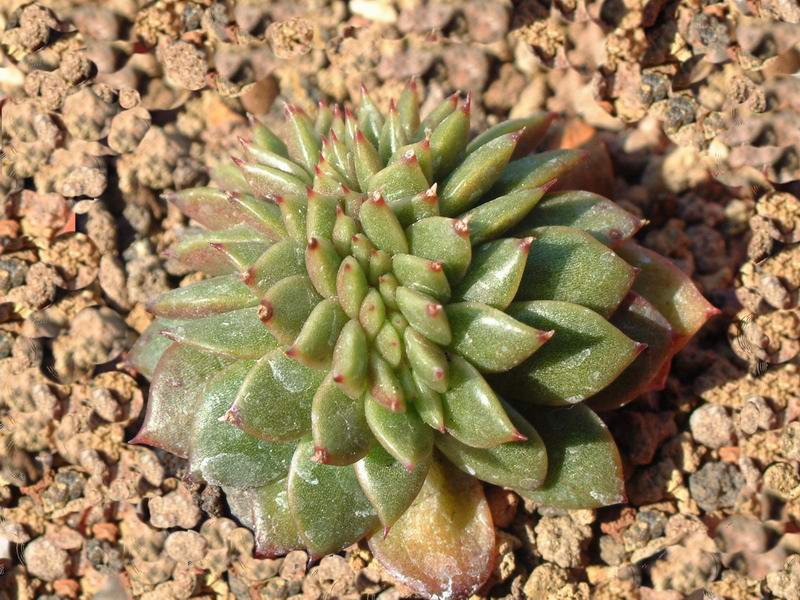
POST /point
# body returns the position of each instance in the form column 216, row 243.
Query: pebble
column 790, row 441
column 755, row 414
column 467, row 67
column 711, row 426
column 45, row 560
column 175, row 509
column 186, row 546
column 487, row 21
column 185, row 65
column 716, row 485
column 782, row 478
column 561, row 541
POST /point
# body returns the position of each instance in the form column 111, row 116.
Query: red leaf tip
column 461, row 228
column 265, row 311
column 392, row 106
column 467, row 108
column 291, row 352
column 435, row 266
column 639, row 347
column 433, row 309
column 525, row 243
column 237, row 161
column 233, row 416
column 438, row 373
column 338, row 378
column 313, row 243
column 518, row 437
column 322, row 456
column 248, row 277
column 377, row 199
column 546, row 335
column 548, row 184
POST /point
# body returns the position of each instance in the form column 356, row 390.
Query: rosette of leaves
column 394, row 314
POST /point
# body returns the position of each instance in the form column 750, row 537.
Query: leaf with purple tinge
column 224, row 454
column 209, row 206
column 585, row 354
column 670, row 290
column 639, row 320
column 600, row 217
column 274, row 402
column 176, row 395
column 147, row 350
column 533, row 129
column 535, row 170
column 584, row 469
column 220, row 252
column 568, row 264
column 443, row 546
column 327, row 503
column 205, row 298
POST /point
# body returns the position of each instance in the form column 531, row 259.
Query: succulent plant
column 394, row 314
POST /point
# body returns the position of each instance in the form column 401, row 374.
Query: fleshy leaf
column 370, row 118
column 427, row 401
column 390, row 487
column 449, row 140
column 392, row 134
column 262, row 215
column 322, row 265
column 327, row 503
column 670, row 290
column 424, row 314
column 533, row 129
column 314, row 345
column 403, row 435
column 304, row 138
column 414, row 208
column 570, row 265
column 321, row 214
column 388, row 344
column 208, row 206
column 399, row 179
column 293, row 208
column 220, row 252
column 382, row 227
column 349, row 363
column 443, row 546
column 443, row 240
column 208, row 297
column 351, row 286
column 372, row 314
column 535, row 170
column 427, row 359
column 639, row 320
column 476, row 174
column 238, row 334
column 147, row 350
column 422, row 275
column 284, row 259
column 583, row 464
column 366, row 159
column 287, row 305
column 495, row 274
column 339, row 427
column 384, row 386
column 473, row 413
column 274, row 402
column 265, row 138
column 176, row 394
column 437, row 115
column 491, row 219
column 490, row 339
column 588, row 211
column 268, row 182
column 276, row 161
column 408, row 107
column 343, row 231
column 585, row 354
column 521, row 464
column 226, row 455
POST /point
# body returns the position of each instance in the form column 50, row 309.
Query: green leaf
column 399, row 179
column 588, row 211
column 384, row 386
column 495, row 273
column 362, row 248
column 490, row 339
column 321, row 215
column 224, row 454
column 229, row 177
column 521, row 464
column 287, row 305
column 268, row 182
column 238, row 334
column 220, row 252
column 473, row 413
column 322, row 123
column 322, row 265
column 437, row 115
column 366, row 160
column 392, row 134
column 372, row 314
column 339, row 427
column 422, row 275
column 382, row 227
column 344, row 229
column 176, row 394
column 380, row 263
column 265, row 138
column 304, row 138
column 262, row 215
column 327, row 503
column 274, row 402
column 670, row 290
column 639, row 320
column 389, row 345
column 535, row 170
column 315, row 343
column 284, row 259
column 492, row 219
column 275, row 161
column 208, row 206
column 370, row 118
column 585, row 354
column 583, row 464
column 147, row 350
column 570, row 265
column 390, row 487
column 424, row 314
column 293, row 209
column 403, row 435
column 351, row 286
column 427, row 359
column 443, row 546
column 414, row 208
column 533, row 129
column 449, row 140
column 476, row 175
column 442, row 240
column 427, row 401
column 422, row 150
column 387, row 286
column 408, row 107
column 350, row 357
column 208, row 297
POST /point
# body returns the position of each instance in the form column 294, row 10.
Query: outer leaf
column 147, row 350
column 490, row 339
column 403, row 435
column 268, row 182
column 638, row 319
column 340, row 430
column 284, row 259
column 585, row 354
column 315, row 343
column 390, row 487
column 442, row 240
column 583, row 464
column 224, row 454
column 262, row 215
column 496, row 271
column 176, row 393
column 443, row 545
column 448, row 142
column 570, row 265
column 287, row 305
column 263, row 137
column 208, row 206
column 533, row 129
column 491, row 219
column 427, row 401
column 238, row 334
column 304, row 138
column 208, row 297
column 274, row 402
column 590, row 212
column 220, row 252
column 275, row 161
column 476, row 174
column 670, row 290
column 437, row 115
column 521, row 464
column 535, row 170
column 327, row 503
column 472, row 412
column 427, row 359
